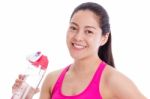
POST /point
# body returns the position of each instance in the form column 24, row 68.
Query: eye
column 73, row 28
column 89, row 32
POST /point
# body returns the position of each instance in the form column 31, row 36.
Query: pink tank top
column 90, row 92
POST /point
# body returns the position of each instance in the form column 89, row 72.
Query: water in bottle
column 34, row 73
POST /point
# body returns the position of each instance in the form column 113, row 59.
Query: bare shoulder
column 48, row 84
column 121, row 86
column 52, row 77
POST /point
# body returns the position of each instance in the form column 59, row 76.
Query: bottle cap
column 37, row 59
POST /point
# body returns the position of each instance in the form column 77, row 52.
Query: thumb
column 37, row 90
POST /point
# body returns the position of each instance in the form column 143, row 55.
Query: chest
column 74, row 85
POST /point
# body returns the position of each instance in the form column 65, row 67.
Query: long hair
column 105, row 51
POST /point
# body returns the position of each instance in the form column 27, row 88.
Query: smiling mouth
column 78, row 46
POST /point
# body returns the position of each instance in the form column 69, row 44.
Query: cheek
column 98, row 40
column 68, row 37
column 96, row 43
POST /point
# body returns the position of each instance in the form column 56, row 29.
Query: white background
column 27, row 26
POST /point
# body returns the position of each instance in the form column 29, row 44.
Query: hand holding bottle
column 27, row 84
column 18, row 83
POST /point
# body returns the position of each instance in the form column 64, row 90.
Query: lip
column 78, row 46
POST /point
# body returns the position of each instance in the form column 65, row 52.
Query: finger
column 17, row 83
column 14, row 88
column 37, row 90
column 21, row 76
column 32, row 92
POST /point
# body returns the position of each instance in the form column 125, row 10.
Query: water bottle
column 34, row 73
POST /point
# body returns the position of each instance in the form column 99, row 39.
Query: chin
column 77, row 57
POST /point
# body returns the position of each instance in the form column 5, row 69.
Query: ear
column 104, row 39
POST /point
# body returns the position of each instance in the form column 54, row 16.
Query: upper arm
column 45, row 89
column 124, row 88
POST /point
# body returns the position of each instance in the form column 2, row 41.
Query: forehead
column 86, row 17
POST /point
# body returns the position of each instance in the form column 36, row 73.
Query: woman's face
column 84, row 35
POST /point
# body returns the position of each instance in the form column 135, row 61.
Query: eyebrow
column 88, row 26
column 74, row 23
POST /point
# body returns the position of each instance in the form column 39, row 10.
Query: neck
column 85, row 65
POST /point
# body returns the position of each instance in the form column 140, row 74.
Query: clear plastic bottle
column 33, row 76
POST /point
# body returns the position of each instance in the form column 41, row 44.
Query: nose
column 79, row 36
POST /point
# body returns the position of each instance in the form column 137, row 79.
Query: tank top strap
column 98, row 74
column 62, row 75
column 60, row 79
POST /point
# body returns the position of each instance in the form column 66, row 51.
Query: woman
column 92, row 74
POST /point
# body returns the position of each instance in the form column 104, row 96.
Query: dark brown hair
column 105, row 51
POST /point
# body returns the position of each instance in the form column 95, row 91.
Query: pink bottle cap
column 38, row 59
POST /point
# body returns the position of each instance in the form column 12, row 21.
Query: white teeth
column 78, row 46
